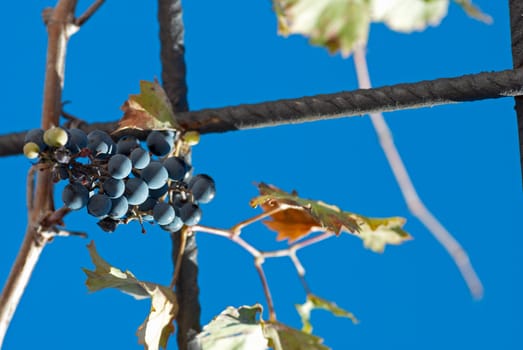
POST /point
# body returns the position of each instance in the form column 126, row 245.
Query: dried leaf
column 283, row 337
column 378, row 232
column 148, row 110
column 234, row 328
column 291, row 224
column 341, row 25
column 315, row 302
column 409, row 15
column 316, row 215
column 158, row 326
column 474, row 11
column 338, row 25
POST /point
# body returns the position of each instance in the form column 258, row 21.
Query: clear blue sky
column 463, row 158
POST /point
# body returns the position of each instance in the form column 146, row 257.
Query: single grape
column 31, row 150
column 99, row 205
column 55, row 137
column 174, row 226
column 75, row 196
column 159, row 143
column 119, row 166
column 190, row 213
column 148, row 204
column 126, row 144
column 163, row 213
column 100, row 143
column 202, row 188
column 140, row 158
column 113, row 188
column 77, row 140
column 155, row 175
column 159, row 192
column 136, row 191
column 176, row 168
column 36, row 136
column 119, row 207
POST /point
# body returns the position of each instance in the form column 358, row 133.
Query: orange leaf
column 291, row 224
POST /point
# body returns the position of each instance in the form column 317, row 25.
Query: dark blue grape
column 77, row 140
column 136, row 191
column 159, row 143
column 157, row 193
column 119, row 207
column 140, row 158
column 190, row 213
column 163, row 213
column 155, row 175
column 36, row 136
column 100, row 143
column 202, row 188
column 99, row 205
column 113, row 188
column 75, row 196
column 174, row 226
column 126, row 144
column 148, row 204
column 119, row 166
column 176, row 168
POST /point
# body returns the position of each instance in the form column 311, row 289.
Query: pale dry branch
column 414, row 203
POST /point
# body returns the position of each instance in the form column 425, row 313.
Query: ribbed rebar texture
column 174, row 83
column 428, row 93
column 516, row 30
column 402, row 96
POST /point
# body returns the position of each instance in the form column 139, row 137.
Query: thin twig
column 408, row 190
column 300, row 270
column 258, row 263
column 239, row 226
column 79, row 21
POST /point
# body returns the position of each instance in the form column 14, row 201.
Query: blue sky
column 463, row 159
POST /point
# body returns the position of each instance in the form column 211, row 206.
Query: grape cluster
column 125, row 180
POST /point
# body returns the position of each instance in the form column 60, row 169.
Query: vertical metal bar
column 516, row 30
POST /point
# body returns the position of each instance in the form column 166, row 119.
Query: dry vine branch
column 61, row 25
column 414, row 203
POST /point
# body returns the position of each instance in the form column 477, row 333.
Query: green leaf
column 158, row 326
column 327, row 216
column 315, row 302
column 338, row 25
column 409, row 15
column 233, row 329
column 148, row 110
column 378, row 232
column 282, row 337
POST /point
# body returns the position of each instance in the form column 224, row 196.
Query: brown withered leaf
column 291, row 224
column 304, row 217
column 148, row 110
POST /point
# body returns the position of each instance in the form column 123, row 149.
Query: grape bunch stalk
column 117, row 182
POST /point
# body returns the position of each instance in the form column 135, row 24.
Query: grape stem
column 259, row 256
column 61, row 24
